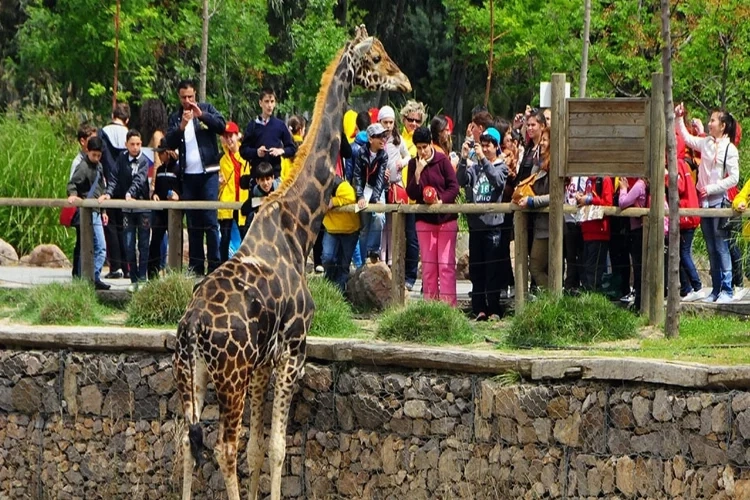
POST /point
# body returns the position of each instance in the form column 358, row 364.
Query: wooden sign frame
column 608, row 137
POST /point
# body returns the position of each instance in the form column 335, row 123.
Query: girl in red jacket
column 595, row 231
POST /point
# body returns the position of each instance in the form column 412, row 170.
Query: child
column 232, row 168
column 129, row 181
column 267, row 183
column 595, row 232
column 166, row 187
column 88, row 180
column 341, row 234
column 368, row 180
column 85, row 132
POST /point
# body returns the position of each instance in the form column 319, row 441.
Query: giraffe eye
column 376, row 59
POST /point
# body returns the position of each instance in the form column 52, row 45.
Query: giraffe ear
column 360, row 32
column 364, row 46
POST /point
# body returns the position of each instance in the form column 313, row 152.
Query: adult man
column 267, row 138
column 192, row 130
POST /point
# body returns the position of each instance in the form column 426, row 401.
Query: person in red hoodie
column 595, row 232
column 691, row 288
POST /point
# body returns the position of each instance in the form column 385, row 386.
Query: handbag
column 397, row 194
column 524, row 189
column 69, row 213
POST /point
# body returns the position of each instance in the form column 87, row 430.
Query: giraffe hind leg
column 255, row 448
column 231, row 398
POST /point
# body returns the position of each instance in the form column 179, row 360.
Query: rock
column 741, row 402
column 662, row 410
column 48, row 256
column 567, row 431
column 625, row 476
column 394, row 383
column 27, row 396
column 742, row 489
column 720, row 418
column 370, row 287
column 448, row 466
column 8, row 255
column 743, row 424
column 462, row 266
column 416, row 408
column 317, row 378
column 91, row 400
column 641, row 411
column 162, row 382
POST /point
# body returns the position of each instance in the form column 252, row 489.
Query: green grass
column 426, row 322
column 160, row 302
column 570, row 321
column 36, row 150
column 73, row 303
column 333, row 314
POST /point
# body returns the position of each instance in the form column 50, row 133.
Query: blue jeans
column 371, row 227
column 140, row 222
column 412, row 249
column 100, row 247
column 337, row 255
column 689, row 279
column 718, row 255
column 202, row 187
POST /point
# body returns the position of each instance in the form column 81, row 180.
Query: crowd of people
column 404, row 157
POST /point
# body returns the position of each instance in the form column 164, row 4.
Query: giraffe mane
column 304, row 149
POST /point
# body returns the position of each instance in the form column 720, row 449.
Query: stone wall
column 76, row 425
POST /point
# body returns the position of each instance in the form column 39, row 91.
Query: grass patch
column 72, row 303
column 426, row 322
column 161, row 302
column 564, row 321
column 333, row 314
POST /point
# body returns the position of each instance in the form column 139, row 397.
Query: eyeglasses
column 413, row 120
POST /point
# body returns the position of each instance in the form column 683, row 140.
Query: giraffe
column 250, row 317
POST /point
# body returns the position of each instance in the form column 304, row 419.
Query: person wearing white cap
column 368, row 180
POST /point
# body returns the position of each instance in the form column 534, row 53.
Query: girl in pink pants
column 437, row 246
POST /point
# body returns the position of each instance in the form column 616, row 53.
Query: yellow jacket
column 409, row 143
column 286, row 163
column 227, row 188
column 742, row 196
column 342, row 222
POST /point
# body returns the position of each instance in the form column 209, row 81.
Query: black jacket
column 207, row 127
column 129, row 177
column 167, row 179
column 369, row 172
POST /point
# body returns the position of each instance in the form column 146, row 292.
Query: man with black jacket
column 192, row 130
column 129, row 181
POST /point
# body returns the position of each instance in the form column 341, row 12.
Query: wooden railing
column 651, row 277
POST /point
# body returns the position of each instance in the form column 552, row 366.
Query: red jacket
column 598, row 230
column 685, row 188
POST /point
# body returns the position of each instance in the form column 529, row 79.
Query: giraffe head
column 373, row 68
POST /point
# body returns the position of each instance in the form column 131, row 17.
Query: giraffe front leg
column 287, row 373
column 191, row 384
column 231, row 404
column 255, row 445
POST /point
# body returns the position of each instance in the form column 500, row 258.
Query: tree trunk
column 204, row 55
column 672, row 323
column 117, row 54
column 724, row 69
column 490, row 61
column 585, row 51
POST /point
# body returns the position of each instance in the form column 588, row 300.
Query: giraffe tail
column 195, row 434
column 195, row 385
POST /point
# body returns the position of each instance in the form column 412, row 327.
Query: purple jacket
column 439, row 174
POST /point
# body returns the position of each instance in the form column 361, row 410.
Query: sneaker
column 503, row 294
column 319, row 269
column 133, row 287
column 100, row 285
column 739, row 292
column 374, row 257
column 511, row 291
column 114, row 275
column 481, row 317
column 692, row 296
column 629, row 298
column 409, row 286
column 709, row 298
column 724, row 298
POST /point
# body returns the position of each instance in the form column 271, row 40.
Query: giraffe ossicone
column 250, row 317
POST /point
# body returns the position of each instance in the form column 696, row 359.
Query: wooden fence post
column 521, row 244
column 646, row 266
column 174, row 242
column 558, row 152
column 655, row 256
column 87, row 243
column 398, row 258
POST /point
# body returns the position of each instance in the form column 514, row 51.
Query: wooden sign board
column 608, row 137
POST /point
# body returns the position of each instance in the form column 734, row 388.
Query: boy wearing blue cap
column 484, row 182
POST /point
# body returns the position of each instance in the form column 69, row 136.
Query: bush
column 564, row 321
column 63, row 304
column 37, row 152
column 427, row 322
column 161, row 302
column 333, row 314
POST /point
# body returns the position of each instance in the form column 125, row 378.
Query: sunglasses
column 413, row 120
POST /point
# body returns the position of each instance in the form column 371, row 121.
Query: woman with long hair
column 719, row 171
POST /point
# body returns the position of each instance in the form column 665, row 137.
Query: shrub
column 63, row 304
column 37, row 152
column 428, row 322
column 563, row 321
column 333, row 314
column 161, row 302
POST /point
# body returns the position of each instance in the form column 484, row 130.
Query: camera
column 471, row 143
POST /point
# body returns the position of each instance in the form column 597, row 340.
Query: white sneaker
column 724, row 298
column 692, row 296
column 511, row 292
column 319, row 269
column 133, row 287
column 709, row 298
column 739, row 292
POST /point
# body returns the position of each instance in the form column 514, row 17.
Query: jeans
column 539, row 261
column 689, row 279
column 412, row 249
column 371, row 226
column 225, row 229
column 155, row 251
column 200, row 223
column 437, row 244
column 336, row 256
column 594, row 264
column 113, row 232
column 506, row 267
column 100, row 247
column 718, row 256
column 734, row 234
column 484, row 270
column 139, row 222
column 618, row 252
column 573, row 241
